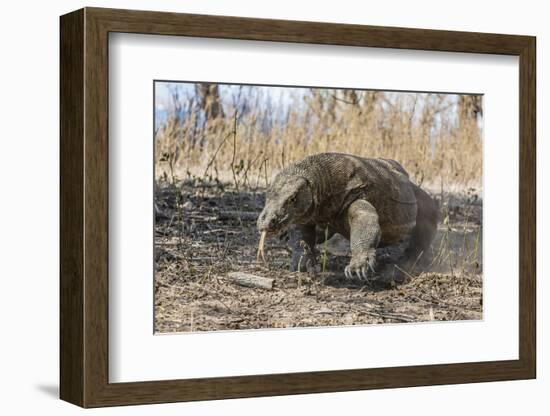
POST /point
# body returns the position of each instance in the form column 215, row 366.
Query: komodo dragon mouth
column 281, row 227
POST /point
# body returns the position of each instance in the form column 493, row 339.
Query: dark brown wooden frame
column 84, row 208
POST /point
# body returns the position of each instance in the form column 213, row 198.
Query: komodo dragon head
column 289, row 199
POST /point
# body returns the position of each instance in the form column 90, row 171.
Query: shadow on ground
column 51, row 390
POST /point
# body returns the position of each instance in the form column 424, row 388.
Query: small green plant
column 324, row 256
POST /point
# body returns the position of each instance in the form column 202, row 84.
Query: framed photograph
column 257, row 207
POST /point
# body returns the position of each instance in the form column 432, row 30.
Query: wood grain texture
column 84, row 207
column 162, row 23
column 71, row 208
column 96, row 208
column 527, row 207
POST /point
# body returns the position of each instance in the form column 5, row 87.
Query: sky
column 276, row 97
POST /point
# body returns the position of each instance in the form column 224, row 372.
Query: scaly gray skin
column 371, row 202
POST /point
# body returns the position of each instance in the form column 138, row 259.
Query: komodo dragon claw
column 364, row 270
column 363, row 273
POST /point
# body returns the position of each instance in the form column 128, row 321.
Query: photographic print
column 299, row 206
column 334, row 180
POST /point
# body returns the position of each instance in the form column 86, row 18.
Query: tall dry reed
column 435, row 136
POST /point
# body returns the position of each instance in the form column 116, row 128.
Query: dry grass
column 422, row 131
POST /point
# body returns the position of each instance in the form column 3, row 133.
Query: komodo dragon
column 370, row 202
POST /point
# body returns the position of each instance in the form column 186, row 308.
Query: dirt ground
column 204, row 231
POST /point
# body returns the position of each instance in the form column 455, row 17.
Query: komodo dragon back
column 339, row 179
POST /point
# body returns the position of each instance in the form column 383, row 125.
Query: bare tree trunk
column 209, row 99
column 469, row 107
column 370, row 101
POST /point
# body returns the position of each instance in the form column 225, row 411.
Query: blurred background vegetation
column 245, row 134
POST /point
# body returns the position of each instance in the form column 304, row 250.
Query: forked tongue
column 261, row 254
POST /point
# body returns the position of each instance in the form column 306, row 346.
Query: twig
column 220, row 230
column 214, row 156
column 240, row 215
column 265, row 167
column 386, row 315
column 234, row 152
column 342, row 100
column 245, row 173
column 403, row 271
column 416, row 261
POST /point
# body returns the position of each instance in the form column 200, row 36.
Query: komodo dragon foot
column 364, row 235
column 361, row 266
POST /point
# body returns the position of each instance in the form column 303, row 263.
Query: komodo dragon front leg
column 361, row 221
